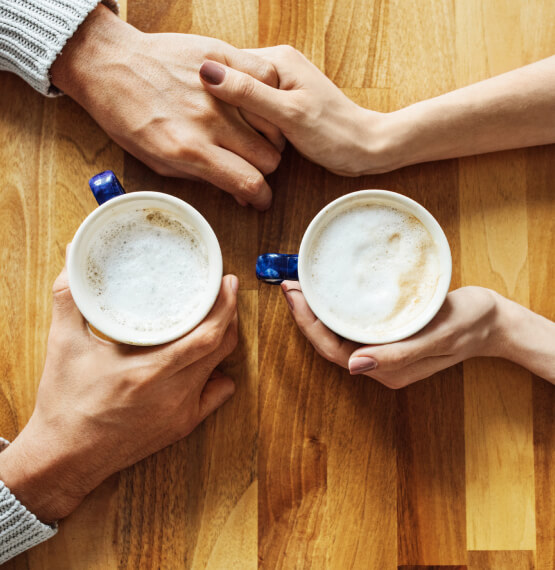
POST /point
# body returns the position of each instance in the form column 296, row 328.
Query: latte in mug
column 144, row 268
column 148, row 270
column 374, row 266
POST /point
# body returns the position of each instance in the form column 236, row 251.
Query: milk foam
column 374, row 268
column 148, row 270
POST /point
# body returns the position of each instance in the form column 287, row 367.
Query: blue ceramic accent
column 277, row 267
column 105, row 186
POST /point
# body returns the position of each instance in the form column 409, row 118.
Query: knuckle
column 212, row 338
column 292, row 110
column 271, row 159
column 288, row 51
column 244, row 87
column 269, row 75
column 252, row 185
column 400, row 358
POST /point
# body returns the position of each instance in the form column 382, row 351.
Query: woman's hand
column 473, row 321
column 512, row 110
column 320, row 121
column 103, row 406
column 144, row 91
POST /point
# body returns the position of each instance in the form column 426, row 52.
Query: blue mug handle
column 274, row 268
column 105, row 186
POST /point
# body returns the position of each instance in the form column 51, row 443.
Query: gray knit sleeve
column 19, row 528
column 33, row 33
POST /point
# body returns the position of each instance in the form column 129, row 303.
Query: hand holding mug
column 103, row 406
column 464, row 327
column 473, row 321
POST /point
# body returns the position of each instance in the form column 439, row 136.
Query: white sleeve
column 33, row 33
column 19, row 528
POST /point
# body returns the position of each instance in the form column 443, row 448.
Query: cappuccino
column 147, row 270
column 374, row 268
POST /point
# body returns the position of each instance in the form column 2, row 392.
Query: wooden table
column 308, row 467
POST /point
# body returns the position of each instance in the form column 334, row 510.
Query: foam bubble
column 148, row 270
column 374, row 268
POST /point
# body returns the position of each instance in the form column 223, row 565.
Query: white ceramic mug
column 114, row 203
column 276, row 267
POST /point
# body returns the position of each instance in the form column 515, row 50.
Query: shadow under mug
column 113, row 202
column 274, row 268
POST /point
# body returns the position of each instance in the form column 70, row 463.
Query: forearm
column 526, row 338
column 512, row 110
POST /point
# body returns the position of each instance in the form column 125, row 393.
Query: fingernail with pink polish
column 212, row 72
column 360, row 364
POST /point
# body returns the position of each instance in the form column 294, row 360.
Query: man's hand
column 321, row 122
column 145, row 92
column 103, row 406
column 473, row 321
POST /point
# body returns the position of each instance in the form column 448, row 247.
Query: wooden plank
column 435, row 567
column 357, row 47
column 430, row 449
column 539, row 42
column 300, row 23
column 501, row 560
column 540, row 172
column 498, row 397
column 430, row 458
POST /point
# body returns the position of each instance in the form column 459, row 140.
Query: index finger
column 329, row 345
column 254, row 65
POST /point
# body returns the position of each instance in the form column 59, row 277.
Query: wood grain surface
column 308, row 467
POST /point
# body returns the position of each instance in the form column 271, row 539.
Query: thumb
column 241, row 90
column 217, row 390
column 386, row 357
column 63, row 305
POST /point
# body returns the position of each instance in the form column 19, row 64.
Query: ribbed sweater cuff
column 33, row 33
column 19, row 528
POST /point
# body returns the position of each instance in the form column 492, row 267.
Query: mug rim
column 134, row 337
column 445, row 265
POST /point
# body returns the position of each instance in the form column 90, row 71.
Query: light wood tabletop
column 306, row 466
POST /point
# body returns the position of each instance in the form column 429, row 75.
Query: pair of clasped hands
column 189, row 106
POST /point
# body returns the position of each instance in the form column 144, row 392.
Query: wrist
column 525, row 338
column 43, row 477
column 102, row 38
column 388, row 141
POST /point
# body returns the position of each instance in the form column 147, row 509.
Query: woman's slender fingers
column 271, row 132
column 242, row 139
column 413, row 372
column 326, row 342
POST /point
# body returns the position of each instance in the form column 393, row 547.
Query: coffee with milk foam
column 374, row 268
column 148, row 270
